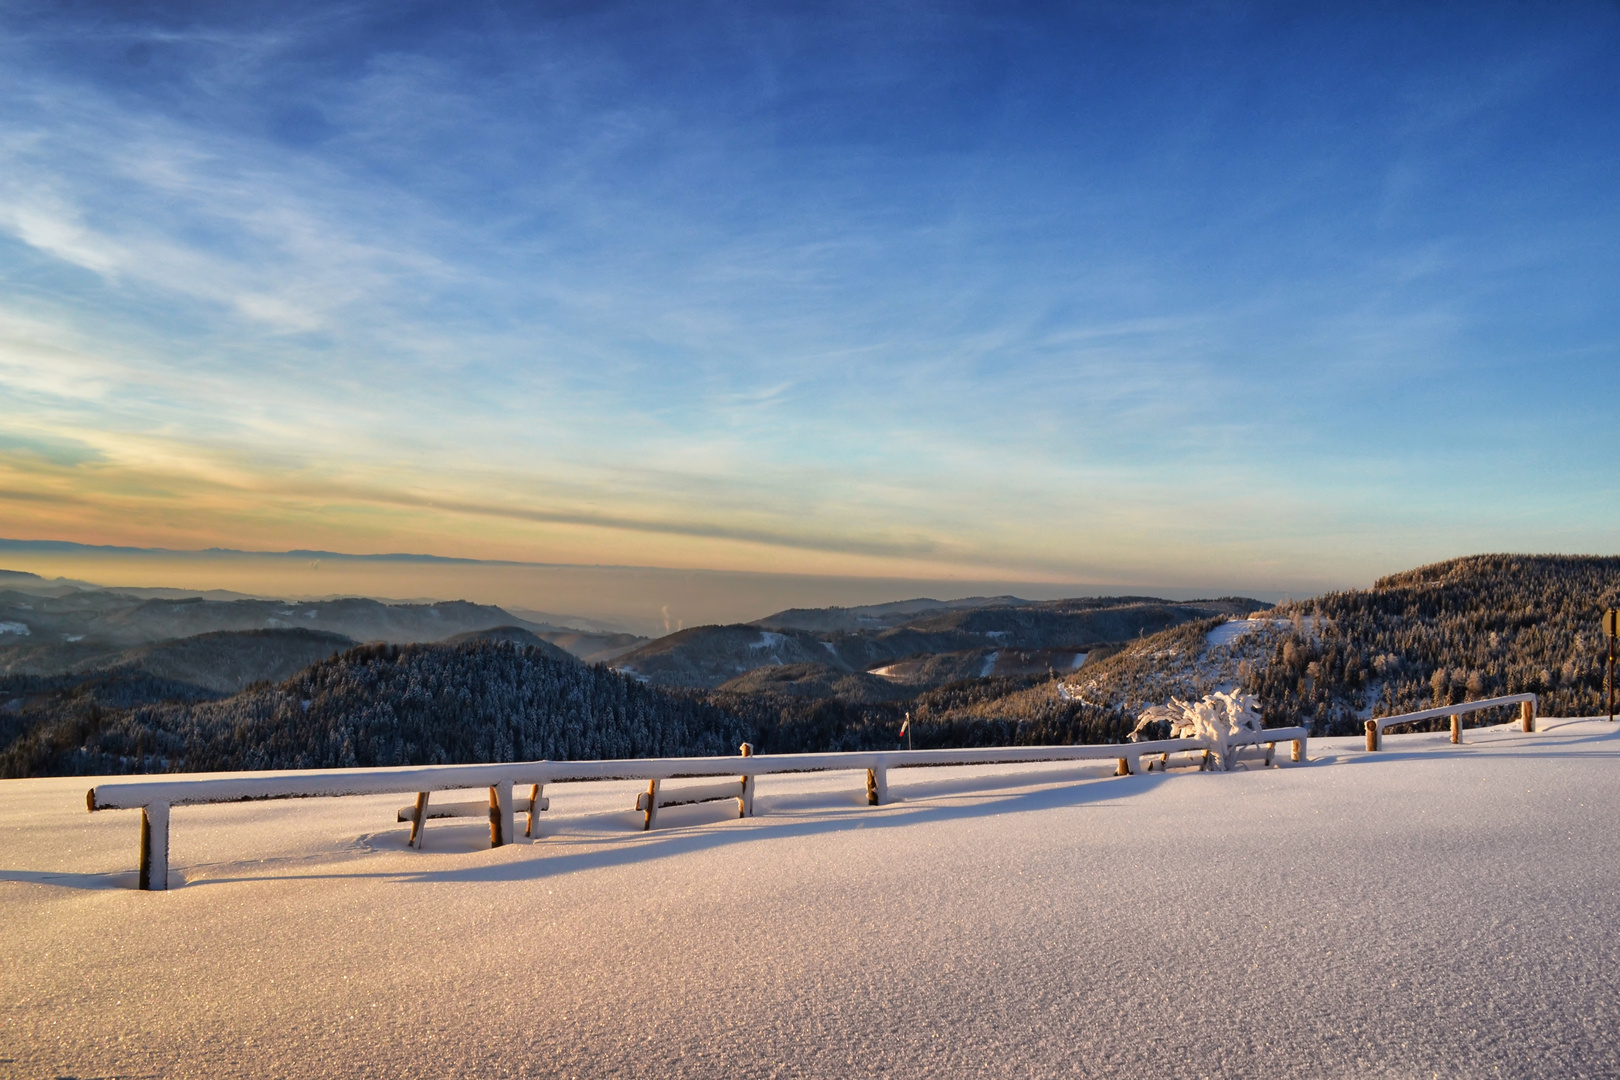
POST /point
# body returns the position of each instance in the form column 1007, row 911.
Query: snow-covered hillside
column 1186, row 662
column 1428, row 910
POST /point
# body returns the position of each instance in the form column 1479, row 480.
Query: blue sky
column 1247, row 296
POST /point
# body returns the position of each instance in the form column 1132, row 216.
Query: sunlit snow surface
column 1428, row 910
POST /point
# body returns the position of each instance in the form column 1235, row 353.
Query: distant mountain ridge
column 228, row 661
column 46, row 631
column 1433, row 636
column 980, row 633
column 873, row 616
column 116, row 618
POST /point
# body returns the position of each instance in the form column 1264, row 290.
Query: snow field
column 1426, row 910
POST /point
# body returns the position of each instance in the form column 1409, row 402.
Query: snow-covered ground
column 1229, row 631
column 1426, row 911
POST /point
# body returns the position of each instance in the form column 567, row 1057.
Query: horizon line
column 72, row 546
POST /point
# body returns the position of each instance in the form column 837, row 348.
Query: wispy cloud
column 961, row 292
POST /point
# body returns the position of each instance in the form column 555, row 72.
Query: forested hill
column 1460, row 630
column 1438, row 635
column 1457, row 630
column 475, row 701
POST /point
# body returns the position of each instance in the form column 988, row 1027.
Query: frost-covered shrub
column 1215, row 721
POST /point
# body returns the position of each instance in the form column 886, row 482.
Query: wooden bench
column 1270, row 737
column 155, row 797
column 656, row 797
column 1266, row 737
column 1525, row 702
column 421, row 811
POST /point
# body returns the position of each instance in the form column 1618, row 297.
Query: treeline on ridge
column 379, row 705
column 484, row 700
column 1455, row 631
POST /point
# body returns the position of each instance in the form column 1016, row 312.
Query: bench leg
column 1298, row 753
column 418, row 819
column 154, row 874
column 1527, row 717
column 1271, row 749
column 652, row 806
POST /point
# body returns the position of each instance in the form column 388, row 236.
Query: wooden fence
column 154, row 797
column 1525, row 702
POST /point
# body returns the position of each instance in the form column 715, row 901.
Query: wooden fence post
column 418, row 819
column 652, row 806
column 500, row 813
column 1456, row 728
column 1372, row 735
column 745, row 805
column 155, row 847
column 877, row 785
column 1527, row 716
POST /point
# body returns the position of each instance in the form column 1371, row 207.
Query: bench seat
column 656, row 797
column 478, row 809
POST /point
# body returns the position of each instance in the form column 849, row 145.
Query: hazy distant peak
column 550, row 620
column 875, row 616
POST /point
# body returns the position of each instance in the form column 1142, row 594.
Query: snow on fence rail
column 1527, row 716
column 154, row 798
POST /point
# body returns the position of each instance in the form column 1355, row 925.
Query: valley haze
column 643, row 600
